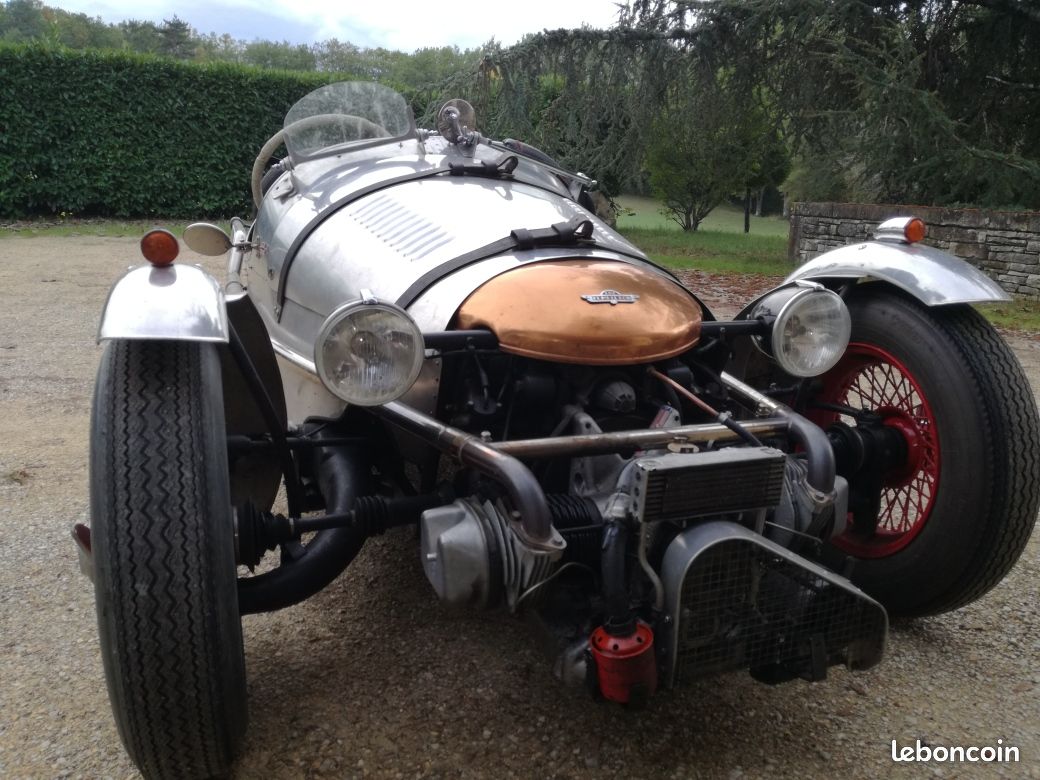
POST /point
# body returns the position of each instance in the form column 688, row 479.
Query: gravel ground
column 373, row 677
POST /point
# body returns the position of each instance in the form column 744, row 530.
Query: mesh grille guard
column 739, row 601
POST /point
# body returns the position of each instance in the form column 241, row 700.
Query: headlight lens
column 369, row 353
column 811, row 332
column 811, row 328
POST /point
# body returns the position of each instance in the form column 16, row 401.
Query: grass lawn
column 1017, row 315
column 708, row 250
column 646, row 213
column 719, row 245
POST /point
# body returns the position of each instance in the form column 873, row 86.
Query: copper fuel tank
column 591, row 312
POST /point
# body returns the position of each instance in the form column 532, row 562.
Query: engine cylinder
column 473, row 556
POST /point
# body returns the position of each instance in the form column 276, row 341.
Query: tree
column 703, row 148
column 926, row 101
column 586, row 97
column 768, row 163
column 431, row 66
column 23, row 20
column 818, row 177
column 143, row 37
column 335, row 56
column 218, row 47
column 284, row 55
column 98, row 34
column 176, row 39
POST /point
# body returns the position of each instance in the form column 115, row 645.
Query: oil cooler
column 680, row 486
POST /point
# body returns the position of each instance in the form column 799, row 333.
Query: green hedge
column 116, row 134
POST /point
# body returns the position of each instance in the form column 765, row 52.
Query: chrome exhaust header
column 526, row 494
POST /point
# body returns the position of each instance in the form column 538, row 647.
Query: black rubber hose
column 740, row 430
column 342, row 476
column 620, row 620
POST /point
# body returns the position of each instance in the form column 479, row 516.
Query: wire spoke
column 876, row 382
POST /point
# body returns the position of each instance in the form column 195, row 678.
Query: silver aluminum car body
column 385, row 240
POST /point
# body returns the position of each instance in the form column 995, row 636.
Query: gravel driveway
column 373, row 677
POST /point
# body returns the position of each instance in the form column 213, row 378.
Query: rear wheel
column 162, row 536
column 954, row 511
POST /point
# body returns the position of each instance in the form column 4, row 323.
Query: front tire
column 957, row 512
column 163, row 544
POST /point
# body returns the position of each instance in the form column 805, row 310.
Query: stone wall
column 1004, row 244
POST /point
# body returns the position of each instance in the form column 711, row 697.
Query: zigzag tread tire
column 162, row 537
column 988, row 435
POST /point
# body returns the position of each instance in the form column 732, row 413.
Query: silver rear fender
column 174, row 302
column 934, row 277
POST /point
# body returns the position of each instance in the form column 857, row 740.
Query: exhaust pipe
column 527, row 495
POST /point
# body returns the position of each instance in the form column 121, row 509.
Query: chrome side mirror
column 207, row 239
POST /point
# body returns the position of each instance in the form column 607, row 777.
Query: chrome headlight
column 369, row 353
column 810, row 331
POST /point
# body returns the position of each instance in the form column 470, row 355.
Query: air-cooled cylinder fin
column 473, row 556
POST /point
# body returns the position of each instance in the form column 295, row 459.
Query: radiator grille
column 678, row 487
column 743, row 606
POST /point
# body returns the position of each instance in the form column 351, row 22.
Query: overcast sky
column 395, row 24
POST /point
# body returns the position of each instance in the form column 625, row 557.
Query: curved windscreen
column 349, row 113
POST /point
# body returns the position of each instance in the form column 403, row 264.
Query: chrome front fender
column 932, row 276
column 175, row 302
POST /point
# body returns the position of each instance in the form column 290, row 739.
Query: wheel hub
column 902, row 471
column 890, row 455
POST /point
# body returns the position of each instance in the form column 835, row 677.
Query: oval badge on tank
column 613, row 297
column 541, row 311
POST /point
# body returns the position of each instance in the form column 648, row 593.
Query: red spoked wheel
column 872, row 379
column 943, row 508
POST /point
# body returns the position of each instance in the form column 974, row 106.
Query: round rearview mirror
column 206, row 239
column 454, row 118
